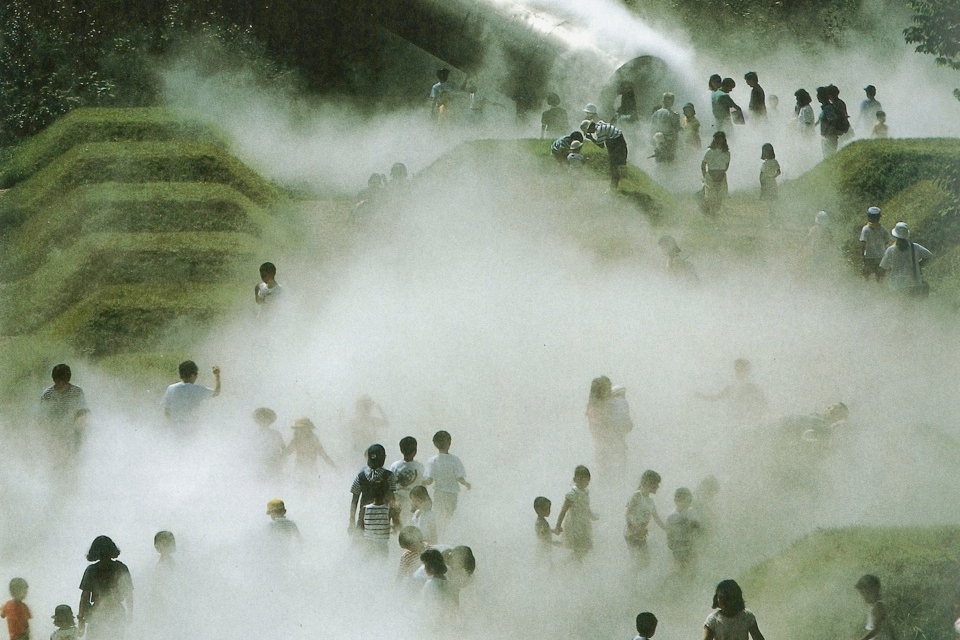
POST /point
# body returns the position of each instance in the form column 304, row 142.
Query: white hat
column 901, row 230
column 822, row 217
column 873, row 211
column 575, row 145
column 590, row 109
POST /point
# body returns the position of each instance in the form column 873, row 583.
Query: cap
column 303, row 423
column 63, row 613
column 870, row 88
column 575, row 145
column 901, row 230
column 275, row 505
column 873, row 211
column 590, row 109
column 822, row 217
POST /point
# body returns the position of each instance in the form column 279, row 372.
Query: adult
column 667, row 121
column 604, row 134
column 105, row 588
column 182, row 399
column 608, row 417
column 64, row 411
column 869, row 107
column 829, row 133
column 903, row 261
column 713, row 168
column 803, row 112
column 724, row 108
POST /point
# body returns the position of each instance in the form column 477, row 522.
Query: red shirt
column 17, row 615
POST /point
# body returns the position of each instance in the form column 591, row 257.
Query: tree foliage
column 936, row 31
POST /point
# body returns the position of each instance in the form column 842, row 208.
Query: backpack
column 843, row 123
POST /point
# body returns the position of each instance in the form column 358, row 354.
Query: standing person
column 714, row 82
column 409, row 474
column 713, row 168
column 843, row 117
column 598, row 413
column 606, row 135
column 367, row 424
column 16, row 612
column 64, row 411
column 725, row 110
column 869, row 107
column 440, row 92
column 268, row 289
column 683, row 532
column 828, row 119
column 104, row 590
column 182, row 399
column 590, row 112
column 730, row 620
column 64, row 622
column 878, row 625
column 880, row 129
column 284, row 533
column 555, row 118
column 904, row 261
column 874, row 240
column 545, row 541
column 445, row 471
column 691, row 127
column 576, row 505
column 367, row 483
column 640, row 511
column 758, row 99
column 377, row 519
column 803, row 112
column 423, row 517
column 748, row 404
column 305, row 447
column 667, row 121
column 769, row 172
column 269, row 446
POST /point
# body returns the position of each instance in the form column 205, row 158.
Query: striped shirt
column 561, row 146
column 605, row 131
column 376, row 522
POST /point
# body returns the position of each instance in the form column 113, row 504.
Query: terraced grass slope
column 119, row 225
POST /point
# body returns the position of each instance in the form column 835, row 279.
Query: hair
column 668, row 99
column 164, row 539
column 668, row 243
column 881, row 114
column 61, row 372
column 720, row 142
column 376, row 452
column 408, row 444
column 837, row 412
column 410, row 537
column 102, row 548
column 264, row 416
column 433, row 563
column 690, row 106
column 442, row 438
column 188, row 368
column 682, row 494
column 803, row 98
column 728, row 84
column 649, row 477
column 732, row 593
column 868, row 582
column 541, row 503
column 708, row 487
column 767, row 152
column 443, row 74
column 715, row 79
column 553, row 99
column 18, row 587
column 600, row 389
column 833, row 91
column 398, row 171
column 870, row 90
column 823, row 95
column 269, row 268
column 581, row 472
column 420, row 494
column 461, row 556
column 750, row 75
column 646, row 624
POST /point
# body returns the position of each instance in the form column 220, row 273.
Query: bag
column 843, row 124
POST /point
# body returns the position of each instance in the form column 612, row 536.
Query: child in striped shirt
column 376, row 522
column 604, row 134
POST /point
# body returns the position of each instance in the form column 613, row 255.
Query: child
column 730, row 619
column 163, row 586
column 541, row 507
column 704, row 508
column 267, row 291
column 691, row 127
column 64, row 410
column 365, row 427
column 104, row 588
column 63, row 620
column 280, row 527
column 269, row 444
column 182, row 399
column 409, row 474
column 880, row 129
column 579, row 536
column 306, row 448
column 367, row 483
column 460, row 567
column 682, row 531
column 769, row 171
column 16, row 612
column 604, row 134
column 376, row 522
column 446, row 470
column 436, row 591
column 561, row 147
column 878, row 626
column 646, row 625
column 423, row 516
column 640, row 511
column 575, row 158
column 874, row 240
column 555, row 118
column 166, row 544
column 411, row 541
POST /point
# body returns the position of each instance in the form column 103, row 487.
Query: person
column 541, row 506
column 627, row 110
column 722, row 105
column 446, row 472
column 606, row 135
column 843, row 117
column 730, row 619
column 16, row 612
column 773, row 109
column 64, row 621
column 368, row 200
column 704, row 509
column 575, row 158
column 828, row 121
column 64, row 411
column 677, row 265
column 874, row 240
column 562, row 146
column 803, row 112
column 106, row 592
column 590, row 112
column 640, row 511
column 440, row 91
column 609, row 438
column 269, row 444
column 880, row 129
column 399, row 179
column 366, row 483
column 166, row 545
column 769, row 171
column 436, row 590
column 691, row 127
column 182, row 399
column 412, row 543
column 758, row 100
column 409, row 474
column 816, row 427
column 268, row 289
column 377, row 518
column 904, row 262
column 461, row 565
column 667, row 122
column 747, row 402
column 683, row 531
column 555, row 118
column 646, row 626
column 423, row 517
column 367, row 424
column 714, row 82
column 305, row 447
column 163, row 587
column 713, row 168
column 282, row 528
column 878, row 624
column 579, row 532
column 869, row 106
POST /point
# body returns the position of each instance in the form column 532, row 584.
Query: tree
column 936, row 31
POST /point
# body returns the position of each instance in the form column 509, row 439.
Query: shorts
column 445, row 502
column 871, row 266
column 617, row 151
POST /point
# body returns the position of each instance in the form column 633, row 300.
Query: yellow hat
column 303, row 423
column 275, row 506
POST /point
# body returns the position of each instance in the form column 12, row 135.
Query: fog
column 483, row 303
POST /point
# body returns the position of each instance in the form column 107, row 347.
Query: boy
column 874, row 240
column 182, row 399
column 164, row 587
column 446, row 470
column 65, row 623
column 440, row 92
column 411, row 541
column 266, row 292
column 409, row 474
column 166, row 544
column 682, row 530
column 575, row 158
column 878, row 626
column 65, row 410
column 16, row 612
column 541, row 507
column 646, row 625
column 367, row 483
column 555, row 118
column 280, row 527
column 562, row 146
column 640, row 511
column 880, row 129
column 757, row 105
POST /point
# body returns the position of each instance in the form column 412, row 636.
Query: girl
column 691, row 127
column 713, row 168
column 105, row 587
column 769, row 171
column 436, row 592
column 460, row 564
column 640, row 511
column 878, row 626
column 730, row 620
column 423, row 517
column 579, row 536
column 306, row 448
column 806, row 119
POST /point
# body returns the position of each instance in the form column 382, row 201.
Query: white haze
column 479, row 309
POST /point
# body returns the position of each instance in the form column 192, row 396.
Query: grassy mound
column 918, row 569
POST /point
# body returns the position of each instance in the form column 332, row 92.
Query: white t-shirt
column 445, row 469
column 733, row 628
column 408, row 475
column 426, row 521
column 183, row 398
column 876, row 239
column 903, row 272
column 267, row 295
column 716, row 160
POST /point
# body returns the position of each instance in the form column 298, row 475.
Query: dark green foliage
column 936, row 31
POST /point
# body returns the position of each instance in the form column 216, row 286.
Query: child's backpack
column 843, row 123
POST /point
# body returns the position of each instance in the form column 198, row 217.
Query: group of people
column 892, row 255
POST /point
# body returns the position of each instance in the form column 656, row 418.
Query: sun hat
column 873, row 211
column 575, row 145
column 590, row 109
column 901, row 230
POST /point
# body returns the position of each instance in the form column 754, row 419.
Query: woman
column 105, row 587
column 607, row 414
column 806, row 120
column 714, row 167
